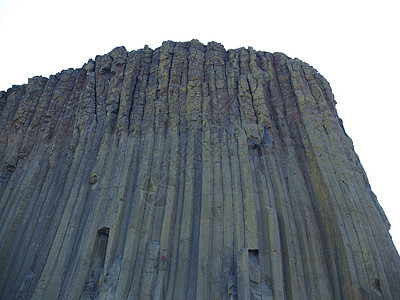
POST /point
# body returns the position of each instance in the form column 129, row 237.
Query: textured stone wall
column 186, row 172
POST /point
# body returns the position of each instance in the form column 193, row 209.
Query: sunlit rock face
column 186, row 172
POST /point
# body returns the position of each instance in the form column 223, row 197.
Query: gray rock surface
column 186, row 172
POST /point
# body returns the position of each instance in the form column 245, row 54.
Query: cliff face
column 186, row 172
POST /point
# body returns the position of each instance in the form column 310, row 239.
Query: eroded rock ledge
column 185, row 172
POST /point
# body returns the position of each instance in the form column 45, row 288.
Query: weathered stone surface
column 186, row 172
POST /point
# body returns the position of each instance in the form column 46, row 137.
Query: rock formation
column 186, row 172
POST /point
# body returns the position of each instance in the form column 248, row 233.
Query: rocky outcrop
column 186, row 172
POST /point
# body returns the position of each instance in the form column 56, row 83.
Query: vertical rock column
column 187, row 171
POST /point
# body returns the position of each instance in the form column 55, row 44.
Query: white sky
column 353, row 44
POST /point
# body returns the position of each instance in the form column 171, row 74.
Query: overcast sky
column 353, row 44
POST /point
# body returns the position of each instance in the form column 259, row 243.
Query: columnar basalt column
column 186, row 172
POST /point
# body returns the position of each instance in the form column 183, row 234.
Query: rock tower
column 186, row 172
